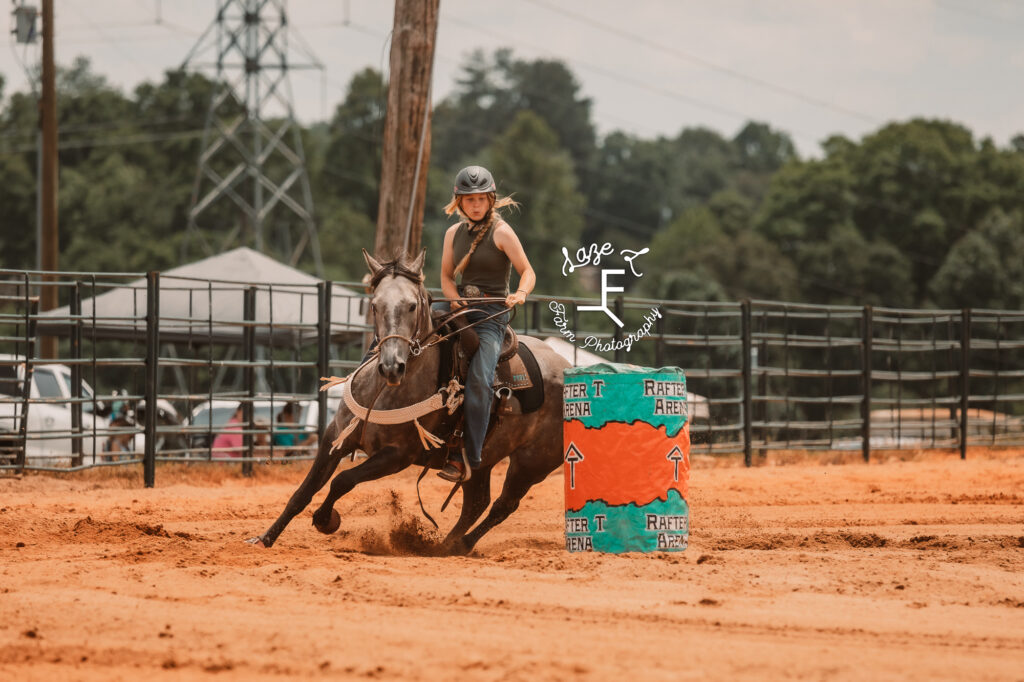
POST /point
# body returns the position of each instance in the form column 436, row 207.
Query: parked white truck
column 49, row 433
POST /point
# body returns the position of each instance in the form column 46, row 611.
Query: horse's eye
column 412, row 307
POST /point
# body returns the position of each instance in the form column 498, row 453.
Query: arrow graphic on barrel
column 675, row 456
column 572, row 456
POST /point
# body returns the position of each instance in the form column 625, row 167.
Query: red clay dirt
column 808, row 570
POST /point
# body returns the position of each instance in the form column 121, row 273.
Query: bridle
column 395, row 269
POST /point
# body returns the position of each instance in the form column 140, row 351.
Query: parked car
column 209, row 417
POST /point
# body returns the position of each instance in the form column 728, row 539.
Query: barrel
column 626, row 444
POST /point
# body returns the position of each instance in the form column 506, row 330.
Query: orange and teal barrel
column 626, row 439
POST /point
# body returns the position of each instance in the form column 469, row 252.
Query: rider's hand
column 515, row 298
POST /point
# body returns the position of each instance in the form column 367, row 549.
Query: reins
column 416, row 342
column 448, row 317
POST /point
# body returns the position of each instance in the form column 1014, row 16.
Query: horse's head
column 401, row 311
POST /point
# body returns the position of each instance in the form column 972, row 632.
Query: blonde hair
column 455, row 206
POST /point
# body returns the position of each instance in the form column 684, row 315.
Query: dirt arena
column 910, row 568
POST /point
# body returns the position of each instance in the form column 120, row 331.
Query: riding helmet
column 474, row 180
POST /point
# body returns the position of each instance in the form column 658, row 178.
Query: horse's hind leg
column 518, row 481
column 384, row 462
column 476, row 495
column 316, row 478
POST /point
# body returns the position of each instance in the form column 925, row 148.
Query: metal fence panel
column 764, row 375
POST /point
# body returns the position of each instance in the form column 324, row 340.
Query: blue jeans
column 479, row 395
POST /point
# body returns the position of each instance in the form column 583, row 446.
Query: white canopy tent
column 203, row 302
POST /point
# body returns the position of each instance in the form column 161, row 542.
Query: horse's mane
column 398, row 267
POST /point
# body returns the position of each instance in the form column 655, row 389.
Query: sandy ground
column 895, row 570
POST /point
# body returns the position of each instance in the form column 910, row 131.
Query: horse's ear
column 372, row 263
column 417, row 265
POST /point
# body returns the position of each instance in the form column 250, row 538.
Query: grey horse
column 398, row 378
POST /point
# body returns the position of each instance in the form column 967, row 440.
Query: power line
column 106, row 125
column 972, row 11
column 128, row 39
column 113, row 141
column 129, row 58
column 623, row 78
column 686, row 56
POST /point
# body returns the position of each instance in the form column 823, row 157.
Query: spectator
column 228, row 443
column 261, row 439
column 287, row 420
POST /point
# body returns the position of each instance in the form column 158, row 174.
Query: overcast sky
column 810, row 67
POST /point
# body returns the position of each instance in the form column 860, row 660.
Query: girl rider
column 481, row 248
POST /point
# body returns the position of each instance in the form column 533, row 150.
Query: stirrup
column 453, row 474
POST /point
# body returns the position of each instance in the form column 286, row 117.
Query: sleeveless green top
column 488, row 268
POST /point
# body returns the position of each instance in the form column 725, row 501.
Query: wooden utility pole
column 406, row 152
column 48, row 123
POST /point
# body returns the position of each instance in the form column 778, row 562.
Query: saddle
column 517, row 381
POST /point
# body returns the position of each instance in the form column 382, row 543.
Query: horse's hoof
column 456, row 548
column 256, row 542
column 332, row 525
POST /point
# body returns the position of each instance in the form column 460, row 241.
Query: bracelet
column 522, row 290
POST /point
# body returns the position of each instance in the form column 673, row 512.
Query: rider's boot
column 457, row 469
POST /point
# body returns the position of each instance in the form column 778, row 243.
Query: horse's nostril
column 401, row 368
column 380, row 369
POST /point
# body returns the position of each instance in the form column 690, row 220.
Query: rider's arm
column 506, row 239
column 448, row 287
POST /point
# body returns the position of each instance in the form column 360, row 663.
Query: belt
column 472, row 291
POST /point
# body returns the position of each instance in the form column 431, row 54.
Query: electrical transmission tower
column 251, row 186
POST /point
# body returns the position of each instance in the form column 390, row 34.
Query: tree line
column 918, row 213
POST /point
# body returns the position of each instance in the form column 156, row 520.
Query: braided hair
column 483, row 227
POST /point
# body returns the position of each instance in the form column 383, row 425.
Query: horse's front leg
column 316, row 478
column 476, row 495
column 384, row 462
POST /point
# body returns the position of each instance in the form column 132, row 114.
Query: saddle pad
column 512, row 373
column 522, row 374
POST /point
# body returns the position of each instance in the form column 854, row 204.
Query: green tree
column 628, row 196
column 908, row 177
column 738, row 263
column 528, row 164
column 806, row 202
column 17, row 212
column 846, row 269
column 343, row 233
column 985, row 268
column 762, row 149
column 640, row 186
column 351, row 165
column 493, row 90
